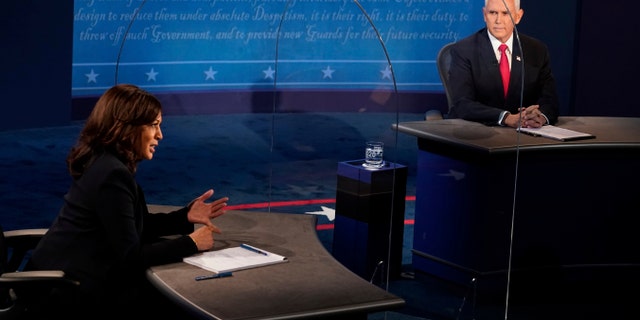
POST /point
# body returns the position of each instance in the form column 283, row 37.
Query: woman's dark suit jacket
column 105, row 237
column 476, row 85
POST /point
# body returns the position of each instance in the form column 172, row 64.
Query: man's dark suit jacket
column 476, row 85
column 105, row 237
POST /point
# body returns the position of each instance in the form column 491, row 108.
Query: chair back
column 444, row 63
column 24, row 294
column 4, row 254
column 5, row 296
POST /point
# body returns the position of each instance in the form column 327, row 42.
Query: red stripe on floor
column 291, row 203
column 279, row 204
column 329, row 226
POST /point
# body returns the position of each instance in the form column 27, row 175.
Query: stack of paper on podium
column 557, row 133
column 233, row 259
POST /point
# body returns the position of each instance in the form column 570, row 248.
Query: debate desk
column 490, row 199
column 312, row 284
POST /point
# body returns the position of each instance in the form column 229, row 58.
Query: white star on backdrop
column 92, row 77
column 386, row 73
column 268, row 74
column 327, row 73
column 211, row 74
column 151, row 75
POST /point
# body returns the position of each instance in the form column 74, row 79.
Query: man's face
column 497, row 19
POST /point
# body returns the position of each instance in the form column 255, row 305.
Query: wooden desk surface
column 311, row 284
column 610, row 132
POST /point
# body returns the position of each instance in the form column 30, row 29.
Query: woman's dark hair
column 114, row 125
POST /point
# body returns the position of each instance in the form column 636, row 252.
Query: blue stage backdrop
column 175, row 46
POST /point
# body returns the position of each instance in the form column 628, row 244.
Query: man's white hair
column 515, row 2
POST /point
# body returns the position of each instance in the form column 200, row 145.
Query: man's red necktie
column 504, row 67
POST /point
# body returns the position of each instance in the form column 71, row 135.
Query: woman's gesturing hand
column 202, row 212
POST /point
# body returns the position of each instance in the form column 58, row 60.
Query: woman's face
column 150, row 137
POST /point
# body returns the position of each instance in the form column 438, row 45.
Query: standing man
column 479, row 92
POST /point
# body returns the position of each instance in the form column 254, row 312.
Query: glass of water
column 373, row 155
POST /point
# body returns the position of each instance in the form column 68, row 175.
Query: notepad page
column 232, row 259
column 557, row 133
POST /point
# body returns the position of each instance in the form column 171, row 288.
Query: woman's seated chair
column 20, row 290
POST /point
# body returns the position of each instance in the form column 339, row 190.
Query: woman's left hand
column 202, row 212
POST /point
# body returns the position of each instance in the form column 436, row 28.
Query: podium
column 574, row 219
column 369, row 223
column 312, row 285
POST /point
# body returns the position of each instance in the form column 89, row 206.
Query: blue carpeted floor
column 282, row 163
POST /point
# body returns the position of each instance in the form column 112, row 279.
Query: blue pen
column 214, row 276
column 250, row 248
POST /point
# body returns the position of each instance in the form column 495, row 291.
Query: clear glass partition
column 286, row 91
column 336, row 90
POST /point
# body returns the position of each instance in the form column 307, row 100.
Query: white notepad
column 557, row 133
column 233, row 259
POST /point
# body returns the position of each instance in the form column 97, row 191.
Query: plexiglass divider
column 324, row 107
column 336, row 90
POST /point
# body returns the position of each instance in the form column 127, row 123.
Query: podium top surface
column 311, row 284
column 610, row 132
column 355, row 170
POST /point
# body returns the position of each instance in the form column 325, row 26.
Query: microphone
column 515, row 30
column 376, row 270
column 472, row 286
